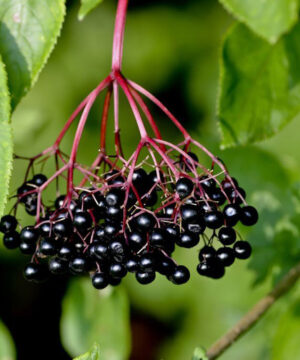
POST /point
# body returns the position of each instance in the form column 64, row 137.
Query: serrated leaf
column 269, row 18
column 199, row 354
column 90, row 316
column 87, row 6
column 93, row 354
column 259, row 85
column 28, row 33
column 286, row 340
column 7, row 348
column 6, row 143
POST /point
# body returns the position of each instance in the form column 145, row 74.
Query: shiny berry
column 207, row 254
column 184, row 187
column 132, row 264
column 249, row 215
column 27, row 248
column 144, row 222
column 145, row 278
column 232, row 214
column 99, row 281
column 158, row 238
column 214, row 219
column 226, row 256
column 189, row 214
column 187, row 240
column 82, row 221
column 29, row 234
column 117, row 270
column 147, row 262
column 58, row 266
column 227, row 235
column 66, row 252
column 35, row 272
column 78, row 265
column 63, row 228
column 11, row 240
column 39, row 179
column 101, row 250
column 48, row 247
column 115, row 197
column 242, row 250
column 180, row 275
column 8, row 223
column 136, row 240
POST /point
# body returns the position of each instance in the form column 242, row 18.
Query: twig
column 255, row 314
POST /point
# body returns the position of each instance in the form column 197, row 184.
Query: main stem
column 255, row 314
column 119, row 35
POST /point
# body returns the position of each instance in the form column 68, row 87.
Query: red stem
column 119, row 35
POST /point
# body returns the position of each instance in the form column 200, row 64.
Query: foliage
column 90, row 316
column 172, row 52
column 93, row 354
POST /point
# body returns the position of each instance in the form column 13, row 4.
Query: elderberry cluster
column 114, row 228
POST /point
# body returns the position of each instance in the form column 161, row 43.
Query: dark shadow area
column 32, row 313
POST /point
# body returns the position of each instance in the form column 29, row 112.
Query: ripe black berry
column 117, row 270
column 187, row 240
column 242, row 250
column 78, row 265
column 189, row 214
column 48, row 247
column 39, row 179
column 66, row 252
column 226, row 256
column 180, row 275
column 158, row 238
column 58, row 266
column 63, row 228
column 207, row 254
column 227, row 235
column 232, row 214
column 27, row 248
column 115, row 197
column 249, row 215
column 99, row 281
column 11, row 240
column 184, row 187
column 8, row 223
column 213, row 219
column 101, row 250
column 237, row 196
column 136, row 240
column 145, row 278
column 82, row 221
column 147, row 262
column 132, row 264
column 144, row 222
column 29, row 235
column 35, row 272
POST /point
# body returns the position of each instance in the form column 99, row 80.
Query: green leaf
column 259, row 85
column 87, row 6
column 91, row 316
column 7, row 348
column 6, row 143
column 269, row 18
column 28, row 33
column 93, row 354
column 286, row 342
column 199, row 354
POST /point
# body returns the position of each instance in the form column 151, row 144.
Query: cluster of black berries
column 114, row 228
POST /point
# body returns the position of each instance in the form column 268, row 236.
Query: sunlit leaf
column 28, row 33
column 87, row 6
column 267, row 18
column 259, row 85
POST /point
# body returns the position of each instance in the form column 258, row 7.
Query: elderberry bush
column 112, row 228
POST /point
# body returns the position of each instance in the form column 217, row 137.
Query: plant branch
column 255, row 314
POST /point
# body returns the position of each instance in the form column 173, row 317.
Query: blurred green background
column 172, row 49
